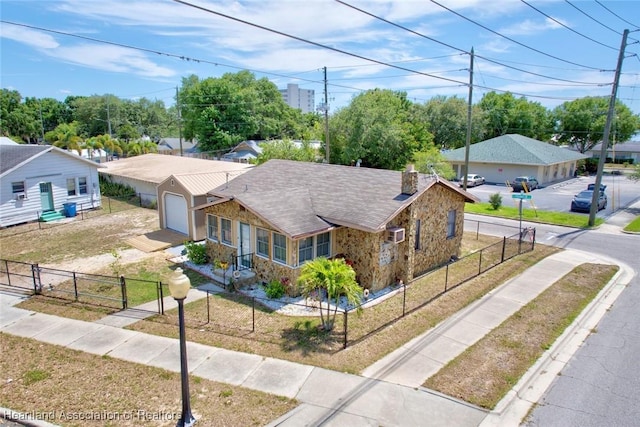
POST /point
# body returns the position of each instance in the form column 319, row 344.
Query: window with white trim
column 212, row 227
column 17, row 187
column 225, row 229
column 262, row 242
column 305, row 250
column 451, row 224
column 314, row 247
column 82, row 185
column 71, row 186
column 279, row 248
column 323, row 245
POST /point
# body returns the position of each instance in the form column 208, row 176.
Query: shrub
column 196, row 252
column 275, row 289
column 495, row 200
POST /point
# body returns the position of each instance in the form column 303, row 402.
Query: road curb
column 517, row 403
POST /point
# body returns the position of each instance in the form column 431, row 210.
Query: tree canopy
column 378, row 129
column 221, row 112
column 581, row 122
column 504, row 114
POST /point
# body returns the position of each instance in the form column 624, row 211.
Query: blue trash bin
column 69, row 209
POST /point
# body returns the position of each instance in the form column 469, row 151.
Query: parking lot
column 620, row 192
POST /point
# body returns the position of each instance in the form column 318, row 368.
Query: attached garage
column 176, row 213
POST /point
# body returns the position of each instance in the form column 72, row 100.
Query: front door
column 245, row 245
column 46, row 196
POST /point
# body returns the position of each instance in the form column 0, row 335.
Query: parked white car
column 472, row 180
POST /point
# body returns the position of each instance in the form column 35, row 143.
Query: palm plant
column 328, row 280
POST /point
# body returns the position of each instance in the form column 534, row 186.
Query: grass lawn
column 532, row 215
column 46, row 379
column 633, row 226
column 297, row 340
column 486, row 371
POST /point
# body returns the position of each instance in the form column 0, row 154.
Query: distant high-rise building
column 303, row 99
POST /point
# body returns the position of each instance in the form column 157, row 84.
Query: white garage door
column 175, row 211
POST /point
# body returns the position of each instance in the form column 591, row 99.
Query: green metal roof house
column 505, row 157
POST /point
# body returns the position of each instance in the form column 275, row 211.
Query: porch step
column 224, row 278
column 51, row 216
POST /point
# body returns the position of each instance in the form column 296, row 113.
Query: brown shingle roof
column 301, row 198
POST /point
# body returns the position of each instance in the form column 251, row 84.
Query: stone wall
column 432, row 209
column 377, row 263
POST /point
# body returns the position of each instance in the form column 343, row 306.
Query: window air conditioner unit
column 20, row 196
column 395, row 235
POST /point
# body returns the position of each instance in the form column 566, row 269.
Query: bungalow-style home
column 180, row 193
column 245, row 152
column 628, row 152
column 388, row 225
column 505, row 157
column 37, row 181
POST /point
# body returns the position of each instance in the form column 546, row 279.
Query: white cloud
column 110, row 58
column 530, row 27
column 32, row 38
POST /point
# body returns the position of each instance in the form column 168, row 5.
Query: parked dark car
column 582, row 202
column 526, row 183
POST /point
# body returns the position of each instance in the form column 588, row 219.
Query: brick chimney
column 410, row 181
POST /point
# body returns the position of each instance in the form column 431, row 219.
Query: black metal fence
column 242, row 315
column 93, row 289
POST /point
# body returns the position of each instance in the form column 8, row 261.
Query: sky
column 547, row 51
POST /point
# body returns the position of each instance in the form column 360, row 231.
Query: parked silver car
column 472, row 180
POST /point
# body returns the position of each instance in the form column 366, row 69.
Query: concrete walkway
column 387, row 393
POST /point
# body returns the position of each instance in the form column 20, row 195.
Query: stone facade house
column 389, row 225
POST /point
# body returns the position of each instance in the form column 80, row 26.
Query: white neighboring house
column 39, row 179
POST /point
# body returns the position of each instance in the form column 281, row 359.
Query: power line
column 303, row 40
column 616, row 15
column 567, row 27
column 157, row 52
column 591, row 17
column 454, row 47
column 514, row 41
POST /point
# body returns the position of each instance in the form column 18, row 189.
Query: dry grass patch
column 485, row 372
column 76, row 239
column 50, row 379
column 307, row 346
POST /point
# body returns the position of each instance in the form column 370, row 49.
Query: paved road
column 600, row 386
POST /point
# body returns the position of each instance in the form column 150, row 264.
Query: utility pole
column 109, row 118
column 607, row 128
column 179, row 120
column 326, row 117
column 465, row 169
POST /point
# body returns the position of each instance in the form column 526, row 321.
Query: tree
column 377, row 128
column 505, row 114
column 430, row 160
column 287, row 150
column 447, row 121
column 581, row 122
column 327, row 280
column 221, row 112
column 65, row 136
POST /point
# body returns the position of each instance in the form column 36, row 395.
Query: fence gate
column 19, row 275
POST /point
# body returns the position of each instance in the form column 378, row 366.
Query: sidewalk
column 387, row 393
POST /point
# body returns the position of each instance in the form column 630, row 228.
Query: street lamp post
column 179, row 285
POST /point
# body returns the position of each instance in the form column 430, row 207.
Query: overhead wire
column 459, row 49
column 513, row 40
column 567, row 27
column 616, row 15
column 591, row 17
